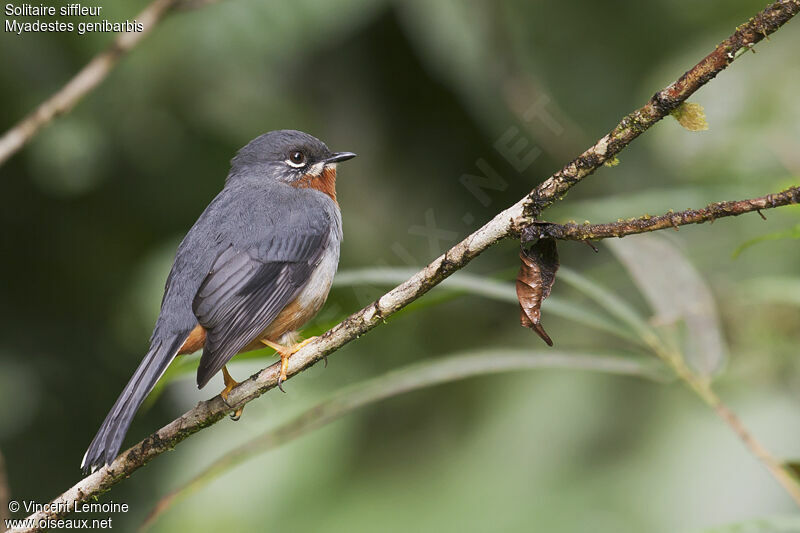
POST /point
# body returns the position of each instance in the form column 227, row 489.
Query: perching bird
column 255, row 267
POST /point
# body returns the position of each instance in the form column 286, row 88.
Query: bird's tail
column 108, row 440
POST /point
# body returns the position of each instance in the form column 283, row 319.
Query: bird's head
column 291, row 157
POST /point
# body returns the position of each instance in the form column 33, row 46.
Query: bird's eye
column 297, row 158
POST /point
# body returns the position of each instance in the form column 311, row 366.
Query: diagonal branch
column 89, row 77
column 507, row 223
column 587, row 232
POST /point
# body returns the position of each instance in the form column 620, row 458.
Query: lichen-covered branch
column 507, row 223
column 589, row 232
column 85, row 80
column 661, row 104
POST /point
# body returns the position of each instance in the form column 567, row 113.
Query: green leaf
column 792, row 233
column 676, row 293
column 460, row 283
column 414, row 377
column 503, row 291
column 606, row 299
column 770, row 524
column 782, row 290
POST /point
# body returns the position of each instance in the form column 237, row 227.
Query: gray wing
column 266, row 242
column 243, row 294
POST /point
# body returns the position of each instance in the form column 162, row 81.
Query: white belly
column 303, row 308
column 316, row 291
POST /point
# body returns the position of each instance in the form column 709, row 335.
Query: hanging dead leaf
column 537, row 273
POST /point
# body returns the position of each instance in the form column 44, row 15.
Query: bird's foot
column 230, row 384
column 285, row 352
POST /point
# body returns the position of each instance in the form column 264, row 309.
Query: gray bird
column 255, row 267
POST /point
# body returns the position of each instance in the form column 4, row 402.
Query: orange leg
column 230, row 383
column 285, row 352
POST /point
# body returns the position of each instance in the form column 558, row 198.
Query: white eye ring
column 301, row 159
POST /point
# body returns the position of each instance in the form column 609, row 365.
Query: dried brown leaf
column 537, row 273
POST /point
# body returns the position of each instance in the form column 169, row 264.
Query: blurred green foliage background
column 94, row 207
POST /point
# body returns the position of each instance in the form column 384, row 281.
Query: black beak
column 337, row 157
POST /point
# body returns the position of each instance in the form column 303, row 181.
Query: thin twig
column 590, row 232
column 394, row 383
column 702, row 387
column 775, row 467
column 85, row 80
column 506, row 223
column 5, row 493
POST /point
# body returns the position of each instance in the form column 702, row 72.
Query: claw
column 284, row 367
column 285, row 352
column 230, row 384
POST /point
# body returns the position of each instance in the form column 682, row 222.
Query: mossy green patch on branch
column 691, row 116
